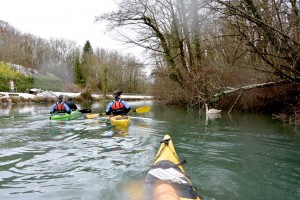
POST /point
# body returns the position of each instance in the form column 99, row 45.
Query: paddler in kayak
column 71, row 104
column 60, row 106
column 118, row 106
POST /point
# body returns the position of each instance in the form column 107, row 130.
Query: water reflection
column 79, row 128
column 113, row 130
column 15, row 110
column 211, row 119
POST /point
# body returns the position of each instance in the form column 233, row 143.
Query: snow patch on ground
column 69, row 94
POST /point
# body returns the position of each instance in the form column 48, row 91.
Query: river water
column 241, row 156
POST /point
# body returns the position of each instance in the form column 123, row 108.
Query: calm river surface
column 242, row 156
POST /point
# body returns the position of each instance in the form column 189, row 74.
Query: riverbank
column 49, row 96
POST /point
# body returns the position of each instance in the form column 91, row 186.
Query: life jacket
column 117, row 107
column 60, row 107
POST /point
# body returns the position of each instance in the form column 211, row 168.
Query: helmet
column 117, row 93
column 60, row 97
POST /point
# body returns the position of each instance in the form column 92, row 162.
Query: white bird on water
column 211, row 111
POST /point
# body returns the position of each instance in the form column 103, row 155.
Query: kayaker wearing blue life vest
column 60, row 106
column 118, row 106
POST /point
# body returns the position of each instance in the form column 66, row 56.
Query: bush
column 6, row 75
column 22, row 82
column 85, row 96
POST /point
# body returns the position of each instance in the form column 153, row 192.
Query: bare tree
column 271, row 30
column 148, row 18
column 169, row 29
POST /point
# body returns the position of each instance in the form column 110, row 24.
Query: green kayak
column 65, row 116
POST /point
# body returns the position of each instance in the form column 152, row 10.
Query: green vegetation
column 48, row 82
column 22, row 82
column 7, row 75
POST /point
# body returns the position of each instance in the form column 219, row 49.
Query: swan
column 211, row 111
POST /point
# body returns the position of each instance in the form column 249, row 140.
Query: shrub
column 22, row 82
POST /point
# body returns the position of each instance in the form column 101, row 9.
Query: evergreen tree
column 87, row 47
column 87, row 63
column 79, row 77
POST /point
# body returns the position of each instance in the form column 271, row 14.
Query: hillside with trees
column 64, row 64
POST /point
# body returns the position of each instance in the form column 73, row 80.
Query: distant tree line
column 201, row 49
column 75, row 68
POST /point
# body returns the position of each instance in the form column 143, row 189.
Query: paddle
column 85, row 111
column 82, row 111
column 143, row 109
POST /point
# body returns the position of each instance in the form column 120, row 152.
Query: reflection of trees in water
column 13, row 110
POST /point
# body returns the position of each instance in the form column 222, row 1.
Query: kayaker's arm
column 52, row 109
column 127, row 107
column 67, row 108
column 108, row 108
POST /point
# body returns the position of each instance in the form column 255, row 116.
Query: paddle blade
column 85, row 111
column 143, row 109
column 92, row 116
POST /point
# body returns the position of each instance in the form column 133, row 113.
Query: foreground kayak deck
column 120, row 120
column 165, row 180
column 65, row 116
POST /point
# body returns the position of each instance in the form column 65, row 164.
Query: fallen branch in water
column 235, row 101
column 218, row 96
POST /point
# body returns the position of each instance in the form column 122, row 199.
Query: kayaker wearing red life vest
column 118, row 106
column 60, row 106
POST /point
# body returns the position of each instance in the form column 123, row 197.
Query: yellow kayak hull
column 167, row 176
column 120, row 120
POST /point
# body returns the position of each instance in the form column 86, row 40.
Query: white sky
column 63, row 19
